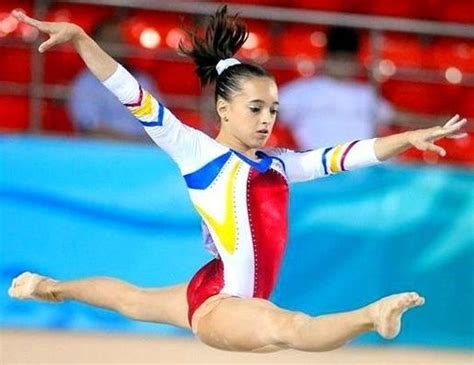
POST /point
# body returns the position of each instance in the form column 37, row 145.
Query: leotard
column 243, row 203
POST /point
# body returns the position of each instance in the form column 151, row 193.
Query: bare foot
column 33, row 286
column 386, row 313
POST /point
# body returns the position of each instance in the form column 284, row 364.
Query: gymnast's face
column 248, row 118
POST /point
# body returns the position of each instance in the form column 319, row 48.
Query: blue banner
column 74, row 208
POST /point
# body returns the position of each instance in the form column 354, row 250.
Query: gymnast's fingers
column 47, row 44
column 22, row 17
column 452, row 121
column 457, row 135
column 434, row 148
column 452, row 129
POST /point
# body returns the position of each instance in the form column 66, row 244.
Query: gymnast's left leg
column 256, row 325
column 161, row 305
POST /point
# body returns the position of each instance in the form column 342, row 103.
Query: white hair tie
column 223, row 64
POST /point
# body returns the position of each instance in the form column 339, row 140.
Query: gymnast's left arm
column 422, row 139
column 308, row 165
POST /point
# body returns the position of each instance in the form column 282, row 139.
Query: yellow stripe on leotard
column 146, row 108
column 227, row 229
column 335, row 164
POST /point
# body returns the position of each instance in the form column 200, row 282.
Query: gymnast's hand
column 59, row 32
column 423, row 139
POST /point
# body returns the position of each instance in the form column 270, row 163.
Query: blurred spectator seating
column 15, row 113
column 301, row 46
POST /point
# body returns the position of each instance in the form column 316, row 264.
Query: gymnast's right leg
column 163, row 305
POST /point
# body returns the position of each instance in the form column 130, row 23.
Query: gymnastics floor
column 34, row 347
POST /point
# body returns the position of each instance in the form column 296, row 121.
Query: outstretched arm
column 302, row 166
column 188, row 147
column 422, row 139
column 98, row 61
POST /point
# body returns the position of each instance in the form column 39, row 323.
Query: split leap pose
column 240, row 189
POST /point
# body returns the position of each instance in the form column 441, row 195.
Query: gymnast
column 240, row 190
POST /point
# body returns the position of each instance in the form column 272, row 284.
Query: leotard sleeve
column 321, row 162
column 188, row 147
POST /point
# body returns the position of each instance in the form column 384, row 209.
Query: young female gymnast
column 240, row 190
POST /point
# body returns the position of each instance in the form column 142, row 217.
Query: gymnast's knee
column 278, row 330
column 287, row 331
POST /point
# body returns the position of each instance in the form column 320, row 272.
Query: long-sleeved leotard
column 243, row 203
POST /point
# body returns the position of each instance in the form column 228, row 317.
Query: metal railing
column 306, row 16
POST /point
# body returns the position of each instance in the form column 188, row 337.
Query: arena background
column 72, row 206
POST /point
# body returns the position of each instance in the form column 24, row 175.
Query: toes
column 413, row 298
column 417, row 299
column 15, row 292
column 391, row 309
column 21, row 286
column 19, row 280
column 420, row 301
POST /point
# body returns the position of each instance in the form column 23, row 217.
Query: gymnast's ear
column 222, row 107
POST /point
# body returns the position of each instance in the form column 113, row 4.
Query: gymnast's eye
column 254, row 109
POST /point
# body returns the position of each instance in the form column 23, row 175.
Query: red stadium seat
column 61, row 65
column 55, row 118
column 358, row 6
column 283, row 76
column 15, row 61
column 15, row 113
column 403, row 49
column 161, row 30
column 324, row 5
column 459, row 150
column 15, row 64
column 422, row 97
column 173, row 77
column 153, row 29
column 177, row 78
column 25, row 5
column 461, row 11
column 412, row 51
column 421, row 9
column 86, row 16
column 189, row 117
column 299, row 40
column 260, row 44
column 365, row 49
column 466, row 103
column 262, row 2
column 453, row 52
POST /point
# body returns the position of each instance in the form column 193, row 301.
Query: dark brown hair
column 223, row 37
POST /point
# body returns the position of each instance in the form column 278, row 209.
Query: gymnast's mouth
column 263, row 131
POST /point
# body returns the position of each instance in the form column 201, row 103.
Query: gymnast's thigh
column 243, row 324
column 165, row 305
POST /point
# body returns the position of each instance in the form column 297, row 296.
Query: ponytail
column 224, row 36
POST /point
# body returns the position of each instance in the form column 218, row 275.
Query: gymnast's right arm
column 98, row 61
column 187, row 146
